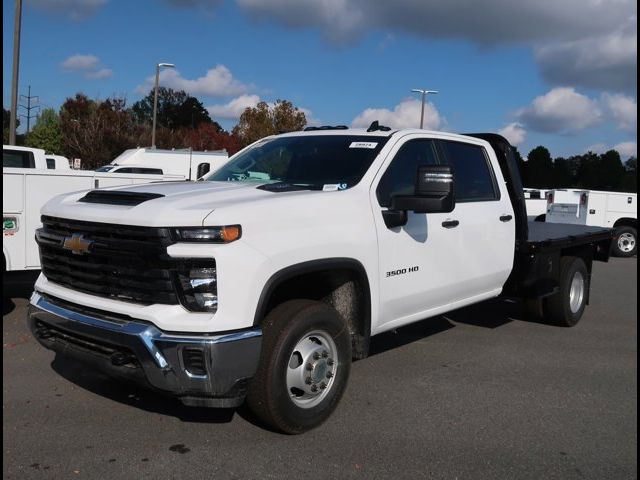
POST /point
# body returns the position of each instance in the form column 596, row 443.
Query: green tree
column 46, row 133
column 264, row 120
column 539, row 168
column 175, row 109
column 98, row 131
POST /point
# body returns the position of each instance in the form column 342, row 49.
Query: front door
column 439, row 260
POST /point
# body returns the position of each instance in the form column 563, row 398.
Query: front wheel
column 565, row 308
column 625, row 244
column 304, row 366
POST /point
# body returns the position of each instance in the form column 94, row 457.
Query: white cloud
column 587, row 43
column 80, row 62
column 561, row 110
column 234, row 108
column 596, row 148
column 484, row 22
column 623, row 110
column 87, row 65
column 74, row 9
column 627, row 149
column 404, row 115
column 217, row 82
column 99, row 74
column 515, row 133
column 605, row 61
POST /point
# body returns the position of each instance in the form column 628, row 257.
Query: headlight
column 199, row 289
column 226, row 234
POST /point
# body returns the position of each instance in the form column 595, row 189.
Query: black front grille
column 117, row 261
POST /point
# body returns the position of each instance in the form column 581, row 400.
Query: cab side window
column 400, row 176
column 474, row 179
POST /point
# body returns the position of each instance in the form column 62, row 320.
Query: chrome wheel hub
column 311, row 369
column 626, row 242
column 576, row 294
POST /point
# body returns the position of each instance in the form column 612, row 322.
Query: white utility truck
column 26, row 190
column 191, row 165
column 265, row 280
column 602, row 209
column 26, row 157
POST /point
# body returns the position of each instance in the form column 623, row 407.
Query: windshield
column 326, row 162
column 106, row 168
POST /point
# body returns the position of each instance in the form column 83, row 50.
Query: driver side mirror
column 434, row 193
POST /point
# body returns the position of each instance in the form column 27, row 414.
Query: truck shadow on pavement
column 129, row 394
column 490, row 314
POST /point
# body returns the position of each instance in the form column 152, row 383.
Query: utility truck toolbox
column 264, row 281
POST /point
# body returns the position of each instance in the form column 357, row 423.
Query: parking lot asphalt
column 477, row 393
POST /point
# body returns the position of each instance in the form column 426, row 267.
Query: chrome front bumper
column 138, row 351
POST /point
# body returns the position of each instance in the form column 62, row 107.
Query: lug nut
column 330, row 362
column 316, row 355
column 307, row 380
column 325, row 354
column 329, row 374
column 314, row 388
column 309, row 367
column 323, row 385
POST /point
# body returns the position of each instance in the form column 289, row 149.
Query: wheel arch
column 626, row 222
column 340, row 282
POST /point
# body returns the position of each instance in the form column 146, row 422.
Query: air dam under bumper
column 200, row 370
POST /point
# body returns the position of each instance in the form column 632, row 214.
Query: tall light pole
column 424, row 94
column 14, row 77
column 155, row 101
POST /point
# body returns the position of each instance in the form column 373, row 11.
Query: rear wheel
column 566, row 307
column 304, row 366
column 626, row 242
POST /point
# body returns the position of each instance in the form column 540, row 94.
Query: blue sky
column 557, row 73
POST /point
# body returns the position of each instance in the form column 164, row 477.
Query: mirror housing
column 434, row 192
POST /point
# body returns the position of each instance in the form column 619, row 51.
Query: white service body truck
column 617, row 210
column 265, row 280
column 536, row 201
column 191, row 165
column 14, row 156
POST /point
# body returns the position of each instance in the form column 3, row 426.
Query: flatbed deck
column 559, row 235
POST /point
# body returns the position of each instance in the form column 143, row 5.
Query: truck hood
column 178, row 203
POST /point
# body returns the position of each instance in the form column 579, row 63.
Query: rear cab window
column 17, row 158
column 474, row 178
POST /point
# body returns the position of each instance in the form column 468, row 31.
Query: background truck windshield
column 317, row 161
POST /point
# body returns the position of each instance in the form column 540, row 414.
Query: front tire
column 304, row 366
column 565, row 308
column 626, row 242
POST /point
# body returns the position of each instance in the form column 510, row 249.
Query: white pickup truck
column 265, row 280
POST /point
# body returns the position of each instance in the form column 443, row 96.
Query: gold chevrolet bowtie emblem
column 77, row 244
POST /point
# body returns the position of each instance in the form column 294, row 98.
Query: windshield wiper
column 287, row 187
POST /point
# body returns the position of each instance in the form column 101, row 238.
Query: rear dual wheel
column 566, row 306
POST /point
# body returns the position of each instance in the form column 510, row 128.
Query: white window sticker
column 330, row 187
column 363, row 145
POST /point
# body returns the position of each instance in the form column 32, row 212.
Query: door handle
column 450, row 223
column 506, row 218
